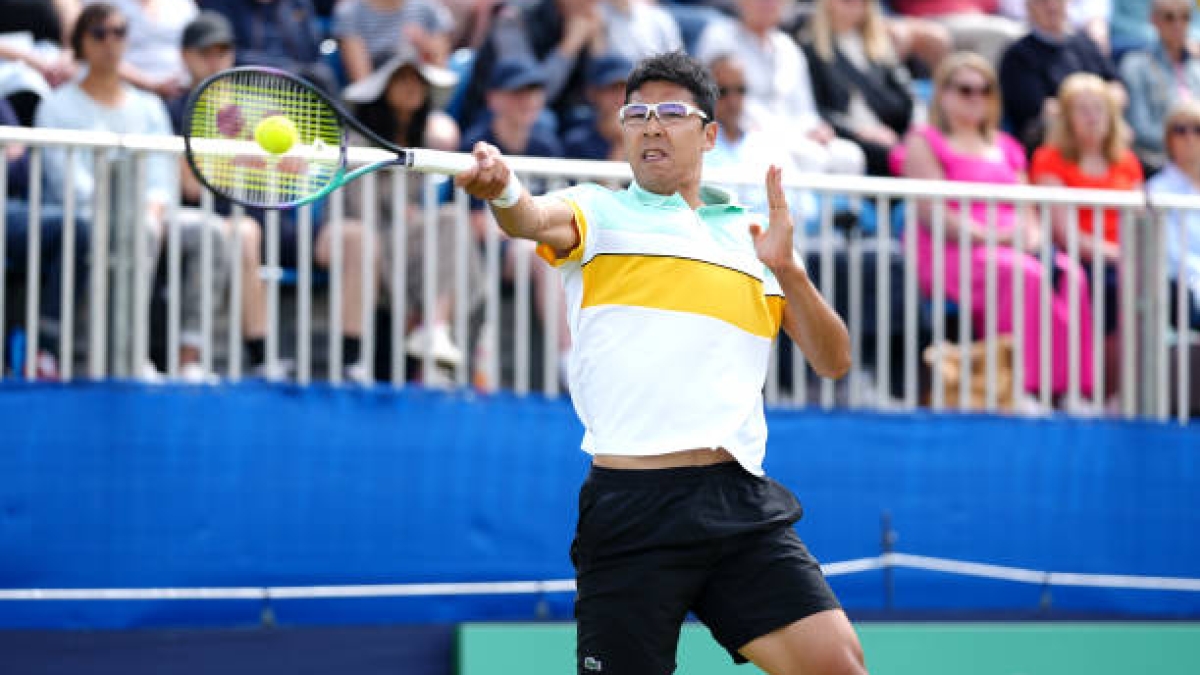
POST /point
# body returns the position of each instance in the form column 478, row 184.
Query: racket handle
column 438, row 161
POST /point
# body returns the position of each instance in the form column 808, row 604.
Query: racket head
column 219, row 137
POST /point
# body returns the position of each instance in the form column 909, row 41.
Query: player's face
column 667, row 158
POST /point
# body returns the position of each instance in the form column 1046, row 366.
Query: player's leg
column 766, row 599
column 639, row 566
column 820, row 644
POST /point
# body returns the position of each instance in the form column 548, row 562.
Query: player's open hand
column 774, row 245
column 488, row 177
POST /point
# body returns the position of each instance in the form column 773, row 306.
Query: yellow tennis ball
column 275, row 134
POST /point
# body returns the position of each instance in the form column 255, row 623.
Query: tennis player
column 675, row 295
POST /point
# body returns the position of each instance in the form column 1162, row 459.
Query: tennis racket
column 223, row 117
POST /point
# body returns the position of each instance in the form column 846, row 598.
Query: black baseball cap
column 207, row 29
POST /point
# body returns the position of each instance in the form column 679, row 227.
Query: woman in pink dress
column 963, row 143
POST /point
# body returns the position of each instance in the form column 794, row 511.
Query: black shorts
column 653, row 545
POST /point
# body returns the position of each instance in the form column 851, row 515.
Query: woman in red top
column 1089, row 148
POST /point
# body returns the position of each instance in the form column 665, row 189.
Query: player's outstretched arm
column 807, row 318
column 543, row 219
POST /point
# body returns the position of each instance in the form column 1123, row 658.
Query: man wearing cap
column 562, row 36
column 281, row 34
column 516, row 98
column 600, row 138
column 207, row 48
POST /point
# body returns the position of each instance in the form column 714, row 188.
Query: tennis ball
column 275, row 134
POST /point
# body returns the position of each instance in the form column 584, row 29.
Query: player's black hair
column 677, row 68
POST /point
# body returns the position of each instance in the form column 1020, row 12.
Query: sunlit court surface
column 278, row 396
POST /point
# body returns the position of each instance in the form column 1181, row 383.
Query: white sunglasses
column 668, row 113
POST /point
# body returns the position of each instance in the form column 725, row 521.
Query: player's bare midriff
column 669, row 460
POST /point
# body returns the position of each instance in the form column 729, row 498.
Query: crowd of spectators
column 1084, row 93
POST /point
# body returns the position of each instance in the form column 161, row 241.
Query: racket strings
column 225, row 154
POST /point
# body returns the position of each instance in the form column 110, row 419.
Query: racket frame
column 404, row 157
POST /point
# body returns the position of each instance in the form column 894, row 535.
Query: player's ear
column 710, row 135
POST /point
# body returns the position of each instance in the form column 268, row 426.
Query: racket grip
column 438, row 161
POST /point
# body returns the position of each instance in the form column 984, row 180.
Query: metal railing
column 510, row 322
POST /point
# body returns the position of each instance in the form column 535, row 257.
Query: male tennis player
column 675, row 295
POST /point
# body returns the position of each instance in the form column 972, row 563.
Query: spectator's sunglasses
column 1171, row 17
column 669, row 113
column 1183, row 129
column 100, row 33
column 968, row 91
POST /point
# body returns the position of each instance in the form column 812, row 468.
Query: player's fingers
column 467, row 176
column 485, row 154
column 775, row 198
column 755, row 230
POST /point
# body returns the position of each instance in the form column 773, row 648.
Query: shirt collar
column 713, row 197
column 1050, row 39
column 1177, row 179
column 1160, row 52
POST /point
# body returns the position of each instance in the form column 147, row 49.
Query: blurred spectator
column 399, row 102
column 102, row 101
column 16, row 251
column 639, row 28
column 1181, row 176
column 216, row 32
column 472, row 21
column 974, row 25
column 601, row 137
column 1034, row 66
column 1130, row 28
column 779, row 94
column 282, row 34
column 560, row 36
column 859, row 87
column 746, row 149
column 516, row 98
column 1159, row 76
column 963, row 143
column 1089, row 17
column 152, row 59
column 207, row 48
column 368, row 32
column 33, row 55
column 1089, row 148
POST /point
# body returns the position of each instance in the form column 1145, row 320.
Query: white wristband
column 511, row 194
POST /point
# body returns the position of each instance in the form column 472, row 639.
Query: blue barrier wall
column 123, row 485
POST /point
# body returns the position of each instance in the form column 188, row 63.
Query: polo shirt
column 672, row 318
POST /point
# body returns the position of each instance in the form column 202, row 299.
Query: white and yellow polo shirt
column 672, row 317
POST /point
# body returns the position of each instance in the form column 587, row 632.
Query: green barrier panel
column 892, row 649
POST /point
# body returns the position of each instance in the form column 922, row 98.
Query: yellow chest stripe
column 682, row 285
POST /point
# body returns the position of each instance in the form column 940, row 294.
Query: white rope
column 855, row 566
